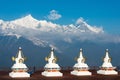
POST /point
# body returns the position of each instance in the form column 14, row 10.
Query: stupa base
column 81, row 73
column 19, row 74
column 52, row 74
column 103, row 72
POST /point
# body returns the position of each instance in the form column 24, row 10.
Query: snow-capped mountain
column 43, row 25
column 42, row 32
column 86, row 27
column 27, row 21
column 36, row 36
column 30, row 22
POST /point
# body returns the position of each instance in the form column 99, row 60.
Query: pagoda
column 107, row 68
column 80, row 68
column 51, row 68
column 19, row 69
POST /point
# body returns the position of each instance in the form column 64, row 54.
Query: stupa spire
column 19, row 58
column 81, row 54
column 107, row 54
column 20, row 53
column 52, row 53
column 51, row 58
column 107, row 59
column 81, row 59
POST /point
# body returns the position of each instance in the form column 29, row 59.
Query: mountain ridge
column 65, row 39
column 41, row 32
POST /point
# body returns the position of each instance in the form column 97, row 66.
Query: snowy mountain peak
column 81, row 24
column 43, row 32
column 29, row 17
column 43, row 25
column 27, row 21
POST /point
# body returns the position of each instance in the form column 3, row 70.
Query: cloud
column 68, row 40
column 44, row 33
column 55, row 48
column 54, row 15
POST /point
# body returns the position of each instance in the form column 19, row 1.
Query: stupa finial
column 107, row 58
column 20, row 48
column 107, row 54
column 20, row 53
column 51, row 58
column 106, row 49
column 80, row 49
column 81, row 55
column 19, row 56
column 52, row 49
column 52, row 53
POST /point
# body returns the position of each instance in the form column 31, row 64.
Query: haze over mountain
column 37, row 36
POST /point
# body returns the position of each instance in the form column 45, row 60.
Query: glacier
column 45, row 33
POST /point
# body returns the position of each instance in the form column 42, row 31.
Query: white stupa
column 81, row 68
column 19, row 69
column 51, row 68
column 107, row 68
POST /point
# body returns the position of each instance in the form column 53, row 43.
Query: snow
column 27, row 21
column 43, row 25
column 43, row 32
column 17, row 35
column 94, row 29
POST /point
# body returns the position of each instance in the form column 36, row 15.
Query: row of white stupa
column 19, row 69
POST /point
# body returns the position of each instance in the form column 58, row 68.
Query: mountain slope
column 41, row 32
column 37, row 36
column 35, row 54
